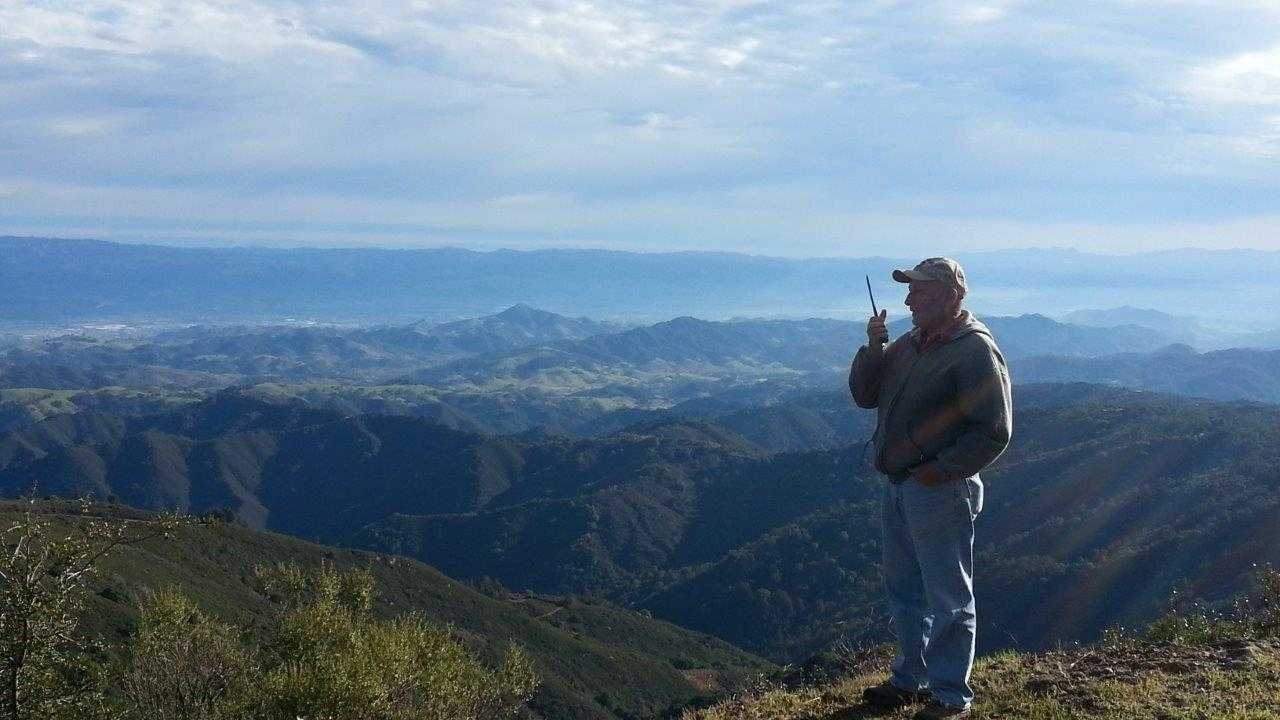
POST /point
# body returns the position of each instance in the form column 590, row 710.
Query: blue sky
column 789, row 128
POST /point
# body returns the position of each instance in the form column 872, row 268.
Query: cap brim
column 906, row 276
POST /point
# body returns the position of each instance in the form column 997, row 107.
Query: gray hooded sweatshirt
column 951, row 404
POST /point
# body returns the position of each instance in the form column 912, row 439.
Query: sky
column 797, row 128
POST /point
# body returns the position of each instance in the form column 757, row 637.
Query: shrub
column 1260, row 606
column 1253, row 614
column 1197, row 626
column 184, row 665
column 327, row 656
column 336, row 661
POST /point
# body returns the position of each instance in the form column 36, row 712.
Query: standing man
column 944, row 411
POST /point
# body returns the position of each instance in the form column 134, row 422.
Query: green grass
column 22, row 406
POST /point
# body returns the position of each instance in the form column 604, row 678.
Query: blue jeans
column 928, row 571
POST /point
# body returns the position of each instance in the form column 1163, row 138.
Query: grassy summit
column 1198, row 663
column 1115, row 681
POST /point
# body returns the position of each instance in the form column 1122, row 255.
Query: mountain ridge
column 706, row 526
column 173, row 283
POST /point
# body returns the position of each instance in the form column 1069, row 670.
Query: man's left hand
column 929, row 474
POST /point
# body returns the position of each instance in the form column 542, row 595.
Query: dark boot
column 938, row 711
column 888, row 695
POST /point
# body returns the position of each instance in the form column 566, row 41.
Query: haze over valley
column 707, row 471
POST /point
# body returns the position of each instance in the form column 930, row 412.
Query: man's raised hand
column 877, row 332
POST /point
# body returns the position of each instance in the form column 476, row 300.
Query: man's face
column 930, row 303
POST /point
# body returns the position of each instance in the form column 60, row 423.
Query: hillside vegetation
column 1099, row 511
column 596, row 661
column 698, row 522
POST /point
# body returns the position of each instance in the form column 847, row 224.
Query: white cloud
column 237, row 33
column 1251, row 79
column 732, row 57
column 625, row 119
column 979, row 14
column 76, row 126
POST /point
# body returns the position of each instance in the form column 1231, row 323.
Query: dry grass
column 1120, row 681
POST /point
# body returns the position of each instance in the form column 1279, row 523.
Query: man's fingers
column 883, row 314
column 877, row 333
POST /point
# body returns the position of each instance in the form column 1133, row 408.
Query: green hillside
column 597, row 661
column 1106, row 503
column 1100, row 511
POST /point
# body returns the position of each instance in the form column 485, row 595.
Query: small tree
column 184, row 665
column 48, row 669
column 336, row 661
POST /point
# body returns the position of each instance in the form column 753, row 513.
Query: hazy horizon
column 214, row 244
column 88, row 281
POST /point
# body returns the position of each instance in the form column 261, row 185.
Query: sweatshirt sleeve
column 986, row 408
column 864, row 377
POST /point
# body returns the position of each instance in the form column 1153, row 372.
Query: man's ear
column 957, row 297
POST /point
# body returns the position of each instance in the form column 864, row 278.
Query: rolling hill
column 1103, row 491
column 218, row 356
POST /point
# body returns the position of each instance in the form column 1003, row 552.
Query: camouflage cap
column 941, row 269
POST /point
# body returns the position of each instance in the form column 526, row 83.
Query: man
column 943, row 399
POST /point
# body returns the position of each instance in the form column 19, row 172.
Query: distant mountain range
column 1106, row 502
column 1031, row 335
column 1224, row 374
column 1179, row 329
column 524, row 368
column 68, row 281
column 215, row 356
column 520, row 343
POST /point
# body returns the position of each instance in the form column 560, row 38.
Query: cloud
column 624, row 122
column 1250, row 79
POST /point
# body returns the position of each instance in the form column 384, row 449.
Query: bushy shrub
column 335, row 660
column 184, row 665
column 325, row 656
